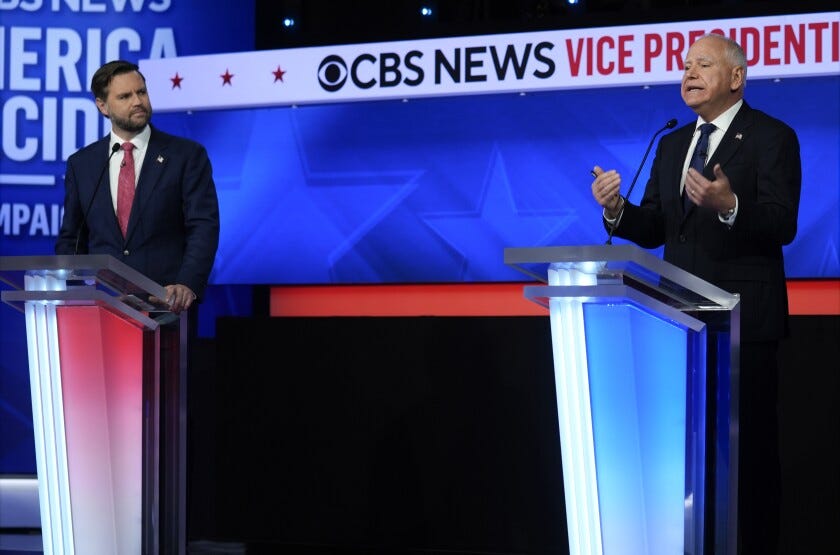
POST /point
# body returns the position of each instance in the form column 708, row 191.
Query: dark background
column 436, row 435
column 324, row 22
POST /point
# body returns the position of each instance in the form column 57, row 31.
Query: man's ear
column 737, row 79
column 103, row 108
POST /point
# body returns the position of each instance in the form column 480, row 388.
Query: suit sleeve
column 645, row 224
column 201, row 221
column 72, row 222
column 769, row 208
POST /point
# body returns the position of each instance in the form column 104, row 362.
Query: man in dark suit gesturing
column 172, row 224
column 727, row 224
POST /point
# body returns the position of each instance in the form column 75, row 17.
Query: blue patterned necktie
column 698, row 159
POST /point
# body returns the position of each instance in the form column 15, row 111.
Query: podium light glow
column 622, row 387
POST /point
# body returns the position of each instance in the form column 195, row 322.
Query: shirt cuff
column 729, row 217
column 613, row 222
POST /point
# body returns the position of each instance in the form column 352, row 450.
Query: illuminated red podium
column 107, row 367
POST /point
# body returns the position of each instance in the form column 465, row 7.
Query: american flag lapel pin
column 160, row 158
column 738, row 136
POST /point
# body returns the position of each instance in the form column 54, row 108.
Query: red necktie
column 125, row 186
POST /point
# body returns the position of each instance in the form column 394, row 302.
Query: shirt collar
column 724, row 120
column 140, row 141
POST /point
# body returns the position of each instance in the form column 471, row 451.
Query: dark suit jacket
column 760, row 155
column 173, row 230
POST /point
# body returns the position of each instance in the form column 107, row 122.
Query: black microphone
column 670, row 125
column 114, row 150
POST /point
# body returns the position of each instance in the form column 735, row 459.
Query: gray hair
column 733, row 52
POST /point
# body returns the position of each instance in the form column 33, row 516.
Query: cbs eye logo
column 332, row 73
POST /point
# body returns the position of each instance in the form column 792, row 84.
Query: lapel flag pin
column 160, row 158
column 739, row 136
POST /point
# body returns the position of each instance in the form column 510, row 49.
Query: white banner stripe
column 20, row 179
column 777, row 47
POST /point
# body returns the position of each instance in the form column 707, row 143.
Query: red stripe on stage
column 467, row 299
column 814, row 297
column 807, row 297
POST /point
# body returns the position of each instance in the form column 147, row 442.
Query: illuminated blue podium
column 646, row 375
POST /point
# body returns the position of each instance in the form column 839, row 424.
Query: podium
column 107, row 368
column 646, row 376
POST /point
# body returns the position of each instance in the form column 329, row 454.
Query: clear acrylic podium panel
column 82, row 280
column 634, row 340
column 92, row 341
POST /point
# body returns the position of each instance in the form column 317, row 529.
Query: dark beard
column 129, row 125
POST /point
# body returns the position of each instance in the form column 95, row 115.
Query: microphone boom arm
column 670, row 125
column 114, row 150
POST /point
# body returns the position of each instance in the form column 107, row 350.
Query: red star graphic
column 176, row 81
column 226, row 78
column 278, row 74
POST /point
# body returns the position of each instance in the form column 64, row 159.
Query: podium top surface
column 624, row 264
column 91, row 272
